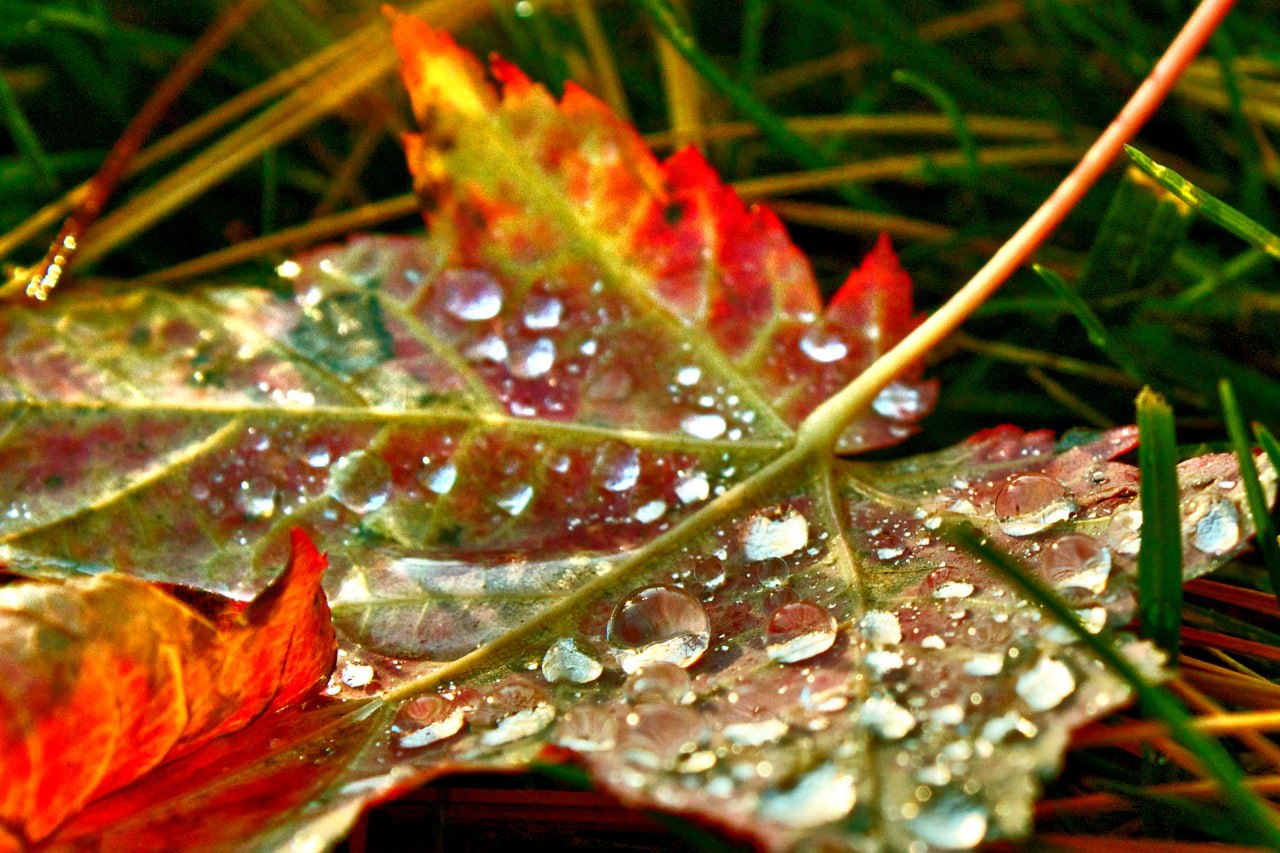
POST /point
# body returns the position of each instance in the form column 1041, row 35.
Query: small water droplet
column 618, row 467
column 256, row 498
column 953, row 589
column 360, row 481
column 513, row 710
column 660, row 735
column 984, row 663
column 706, row 427
column 356, row 675
column 567, row 662
column 886, row 717
column 1125, row 531
column 950, row 823
column 1029, row 503
column 823, row 345
column 899, row 402
column 542, row 312
column 881, row 662
column 881, row 627
column 442, row 479
column 1217, row 528
column 317, row 455
column 799, row 631
column 688, row 375
column 471, row 294
column 1078, row 560
column 587, row 728
column 426, row 719
column 659, row 682
column 651, row 511
column 658, row 623
column 692, row 489
column 514, row 499
column 774, row 533
column 1045, row 685
column 708, row 570
column 529, row 361
column 821, row 796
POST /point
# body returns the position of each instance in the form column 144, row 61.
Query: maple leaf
column 553, row 453
column 105, row 678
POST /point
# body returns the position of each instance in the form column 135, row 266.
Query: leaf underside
column 501, row 432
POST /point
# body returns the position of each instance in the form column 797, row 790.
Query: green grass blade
column 1093, row 325
column 1160, row 558
column 1252, row 814
column 26, row 140
column 949, row 108
column 1212, row 208
column 1252, row 485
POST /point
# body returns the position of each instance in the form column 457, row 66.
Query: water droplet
column 753, row 731
column 587, row 728
column 1218, row 527
column 880, row 662
column 1029, row 503
column 688, row 376
column 566, row 662
column 1078, row 560
column 542, row 312
column 356, row 675
column 618, row 466
column 256, row 498
column 660, row 735
column 984, row 663
column 652, row 511
column 426, row 719
column 360, row 481
column 950, row 823
column 708, row 570
column 953, row 589
column 774, row 533
column 534, row 359
column 658, row 623
column 706, row 427
column 1046, row 684
column 886, row 717
column 1125, row 531
column 659, row 682
column 822, row 796
column 514, row 500
column 881, row 627
column 471, row 294
column 799, row 631
column 317, row 455
column 442, row 479
column 692, row 489
column 899, row 402
column 823, row 345
column 489, row 348
column 513, row 710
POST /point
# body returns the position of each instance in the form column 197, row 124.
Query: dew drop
column 587, row 728
column 953, row 589
column 256, row 498
column 799, row 631
column 1029, row 503
column 442, row 479
column 687, row 376
column 426, row 719
column 708, row 570
column 823, row 345
column 821, row 796
column 880, row 662
column 360, row 481
column 317, row 455
column 886, row 717
column 566, row 662
column 692, row 489
column 618, row 467
column 489, row 348
column 471, row 294
column 1078, row 560
column 950, row 823
column 774, row 533
column 660, row 736
column 881, row 627
column 1045, row 685
column 535, row 359
column 513, row 710
column 984, row 664
column 651, row 511
column 542, row 312
column 658, row 623
column 706, row 427
column 514, row 500
column 356, row 675
column 1218, row 529
column 899, row 402
column 659, row 682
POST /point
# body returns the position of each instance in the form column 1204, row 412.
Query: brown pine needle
column 602, row 64
column 1105, row 803
column 1126, row 734
column 1256, row 741
column 1212, row 639
column 1249, row 599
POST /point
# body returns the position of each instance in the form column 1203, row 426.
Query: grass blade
column 1093, row 326
column 1212, row 208
column 1249, row 810
column 1160, row 558
column 1252, row 485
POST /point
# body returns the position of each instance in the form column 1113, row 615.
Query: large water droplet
column 360, row 481
column 950, row 823
column 886, row 717
column 774, row 533
column 513, row 710
column 587, row 728
column 1078, row 560
column 1218, row 529
column 471, row 294
column 823, row 345
column 565, row 661
column 256, row 498
column 427, row 719
column 658, row 623
column 1029, row 503
column 1046, row 684
column 534, row 359
column 899, row 402
column 618, row 467
column 659, row 682
column 660, row 736
column 822, row 796
column 705, row 427
column 799, row 631
column 542, row 312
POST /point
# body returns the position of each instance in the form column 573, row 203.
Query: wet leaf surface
column 547, row 451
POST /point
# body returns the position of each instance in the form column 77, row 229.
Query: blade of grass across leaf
column 1160, row 558
column 947, row 104
column 1211, row 207
column 1093, row 325
column 1244, row 804
column 1243, row 448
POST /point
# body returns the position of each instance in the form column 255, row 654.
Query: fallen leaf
column 550, row 451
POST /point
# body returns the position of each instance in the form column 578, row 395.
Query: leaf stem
column 824, row 425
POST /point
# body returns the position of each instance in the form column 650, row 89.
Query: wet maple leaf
column 551, row 450
column 103, row 679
